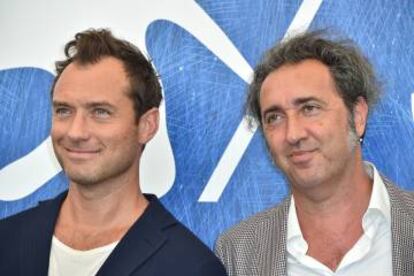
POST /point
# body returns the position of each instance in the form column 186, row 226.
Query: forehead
column 106, row 78
column 307, row 79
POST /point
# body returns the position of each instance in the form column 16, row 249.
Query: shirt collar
column 379, row 201
column 296, row 244
column 293, row 222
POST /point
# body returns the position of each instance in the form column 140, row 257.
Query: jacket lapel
column 141, row 242
column 402, row 229
column 281, row 240
column 271, row 240
column 36, row 238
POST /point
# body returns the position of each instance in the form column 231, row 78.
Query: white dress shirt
column 370, row 255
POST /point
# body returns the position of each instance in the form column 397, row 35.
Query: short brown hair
column 90, row 46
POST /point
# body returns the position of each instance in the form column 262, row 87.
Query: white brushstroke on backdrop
column 242, row 137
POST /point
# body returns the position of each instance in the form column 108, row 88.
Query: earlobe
column 360, row 116
column 148, row 125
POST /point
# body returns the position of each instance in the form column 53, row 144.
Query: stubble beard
column 352, row 142
column 98, row 173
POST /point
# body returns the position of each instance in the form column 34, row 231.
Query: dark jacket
column 156, row 244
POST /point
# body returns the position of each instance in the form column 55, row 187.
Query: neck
column 103, row 209
column 335, row 213
column 334, row 194
column 99, row 214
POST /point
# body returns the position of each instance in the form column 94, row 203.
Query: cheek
column 274, row 143
column 327, row 129
column 57, row 130
column 333, row 135
column 120, row 137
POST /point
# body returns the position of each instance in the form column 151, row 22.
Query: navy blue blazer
column 157, row 244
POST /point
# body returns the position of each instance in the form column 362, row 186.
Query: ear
column 360, row 116
column 148, row 125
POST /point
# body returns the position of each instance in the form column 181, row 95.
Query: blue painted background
column 204, row 101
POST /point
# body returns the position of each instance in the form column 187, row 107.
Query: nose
column 78, row 128
column 295, row 130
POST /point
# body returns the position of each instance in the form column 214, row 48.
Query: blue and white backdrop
column 208, row 169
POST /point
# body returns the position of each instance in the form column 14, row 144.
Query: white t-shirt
column 66, row 261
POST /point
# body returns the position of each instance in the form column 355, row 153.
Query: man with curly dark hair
column 310, row 97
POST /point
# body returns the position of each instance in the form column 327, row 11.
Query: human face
column 306, row 124
column 94, row 131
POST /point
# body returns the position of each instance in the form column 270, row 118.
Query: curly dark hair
column 90, row 46
column 352, row 73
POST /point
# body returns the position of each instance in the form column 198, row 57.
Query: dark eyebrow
column 296, row 102
column 99, row 104
column 300, row 101
column 271, row 109
column 59, row 103
column 87, row 105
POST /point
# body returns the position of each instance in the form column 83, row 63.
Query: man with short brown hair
column 105, row 109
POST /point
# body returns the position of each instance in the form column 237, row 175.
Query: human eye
column 101, row 113
column 273, row 118
column 62, row 112
column 311, row 109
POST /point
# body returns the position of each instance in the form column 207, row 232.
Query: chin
column 85, row 179
column 306, row 180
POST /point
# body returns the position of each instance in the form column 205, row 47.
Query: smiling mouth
column 301, row 157
column 80, row 154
